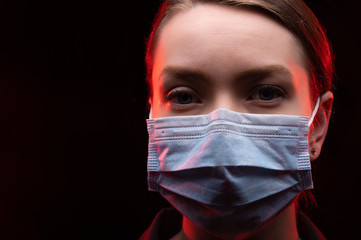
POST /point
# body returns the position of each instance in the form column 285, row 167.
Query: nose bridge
column 226, row 100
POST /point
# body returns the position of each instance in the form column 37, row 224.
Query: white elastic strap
column 150, row 113
column 314, row 112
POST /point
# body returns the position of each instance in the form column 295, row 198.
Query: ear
column 318, row 129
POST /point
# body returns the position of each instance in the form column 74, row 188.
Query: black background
column 73, row 142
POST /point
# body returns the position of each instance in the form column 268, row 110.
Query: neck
column 283, row 227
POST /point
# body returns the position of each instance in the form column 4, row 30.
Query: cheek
column 301, row 79
column 156, row 101
column 160, row 107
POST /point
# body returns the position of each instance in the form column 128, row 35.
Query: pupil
column 267, row 94
column 184, row 98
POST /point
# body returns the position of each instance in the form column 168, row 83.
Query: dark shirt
column 168, row 223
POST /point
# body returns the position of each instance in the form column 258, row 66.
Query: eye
column 181, row 97
column 266, row 93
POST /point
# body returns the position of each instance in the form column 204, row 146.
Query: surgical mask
column 229, row 172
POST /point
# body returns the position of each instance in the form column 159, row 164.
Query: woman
column 240, row 104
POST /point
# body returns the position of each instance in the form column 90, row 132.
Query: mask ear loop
column 150, row 113
column 314, row 112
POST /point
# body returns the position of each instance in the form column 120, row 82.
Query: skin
column 211, row 57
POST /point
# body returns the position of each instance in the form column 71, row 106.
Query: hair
column 293, row 14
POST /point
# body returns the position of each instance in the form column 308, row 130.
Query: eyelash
column 173, row 94
column 278, row 91
column 272, row 97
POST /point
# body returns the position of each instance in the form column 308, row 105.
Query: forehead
column 209, row 33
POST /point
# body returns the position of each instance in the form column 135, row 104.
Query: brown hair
column 294, row 14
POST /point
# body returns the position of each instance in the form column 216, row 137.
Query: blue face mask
column 229, row 172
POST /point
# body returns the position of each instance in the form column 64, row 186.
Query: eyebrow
column 189, row 75
column 185, row 74
column 264, row 72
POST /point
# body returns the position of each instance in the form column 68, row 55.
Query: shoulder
column 166, row 224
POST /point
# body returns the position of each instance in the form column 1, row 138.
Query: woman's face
column 212, row 57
